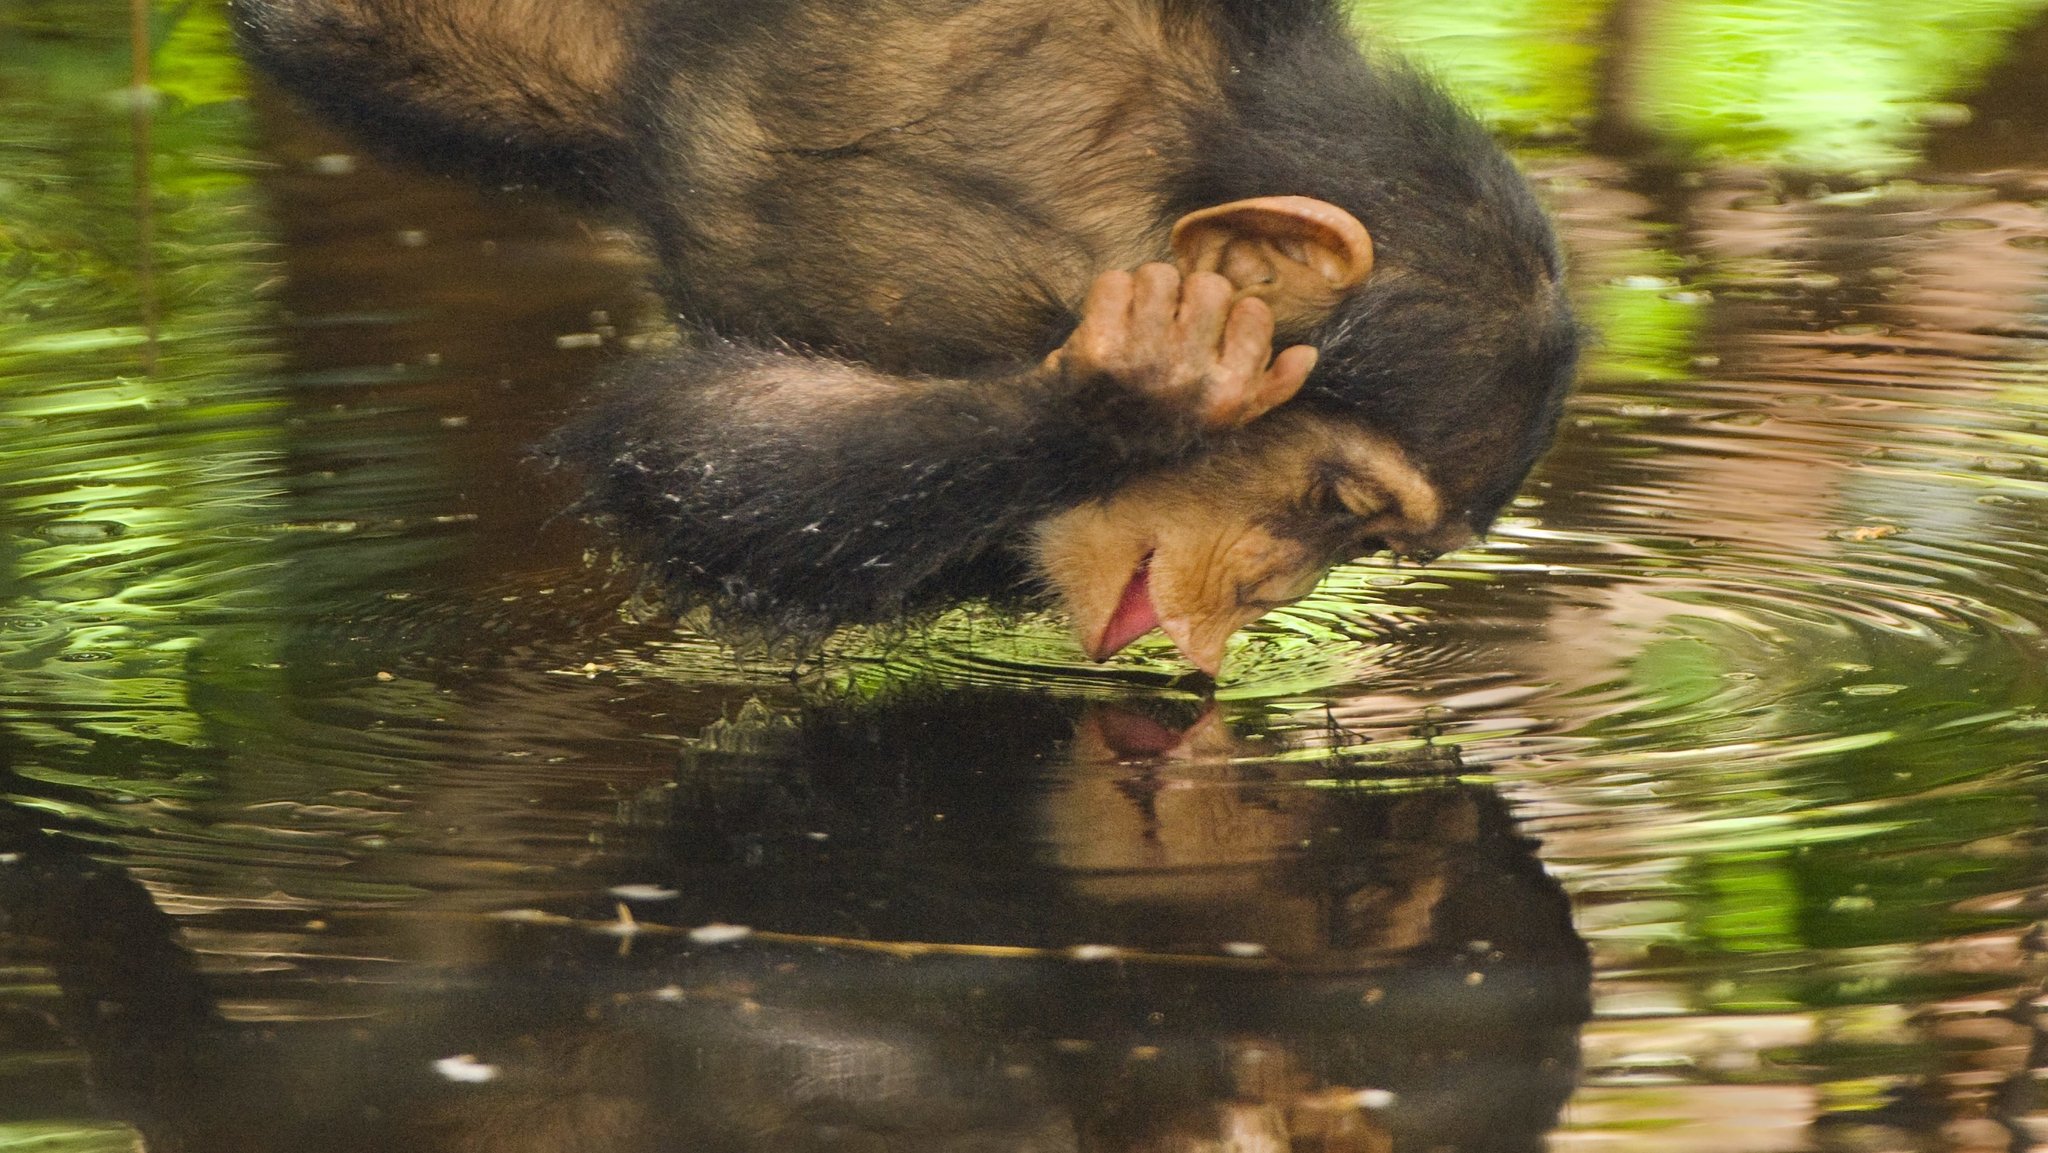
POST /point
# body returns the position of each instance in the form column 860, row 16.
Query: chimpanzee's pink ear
column 1296, row 253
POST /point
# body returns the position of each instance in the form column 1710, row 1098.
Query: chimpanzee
column 983, row 294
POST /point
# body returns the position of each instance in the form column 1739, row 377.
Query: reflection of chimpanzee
column 1424, row 949
column 786, row 1042
column 906, row 227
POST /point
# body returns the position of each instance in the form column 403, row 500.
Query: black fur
column 894, row 503
column 1462, row 344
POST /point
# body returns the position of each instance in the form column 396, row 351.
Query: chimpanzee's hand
column 1184, row 343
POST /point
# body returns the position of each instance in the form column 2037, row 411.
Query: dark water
column 350, row 804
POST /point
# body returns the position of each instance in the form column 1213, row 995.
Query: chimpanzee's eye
column 1360, row 498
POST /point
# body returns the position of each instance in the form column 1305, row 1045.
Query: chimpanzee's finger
column 1247, row 341
column 1204, row 308
column 1109, row 296
column 1156, row 298
column 1105, row 318
column 1278, row 384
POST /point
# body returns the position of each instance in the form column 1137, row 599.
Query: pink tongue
column 1134, row 616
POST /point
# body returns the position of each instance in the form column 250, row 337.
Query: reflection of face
column 1202, row 549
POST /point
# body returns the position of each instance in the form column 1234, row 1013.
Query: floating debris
column 643, row 893
column 624, row 925
column 465, row 1069
column 531, row 917
column 718, row 934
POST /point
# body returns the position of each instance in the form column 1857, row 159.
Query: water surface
column 352, row 800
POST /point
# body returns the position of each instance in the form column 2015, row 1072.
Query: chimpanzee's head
column 1384, row 227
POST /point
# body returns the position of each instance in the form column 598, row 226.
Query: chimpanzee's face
column 1202, row 549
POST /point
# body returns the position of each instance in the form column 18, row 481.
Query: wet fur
column 899, row 495
column 885, row 213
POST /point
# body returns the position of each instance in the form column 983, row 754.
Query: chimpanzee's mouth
column 1134, row 616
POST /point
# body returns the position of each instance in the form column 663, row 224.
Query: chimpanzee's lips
column 1134, row 616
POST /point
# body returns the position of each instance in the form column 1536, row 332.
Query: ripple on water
column 1797, row 638
column 1363, row 623
column 1758, row 660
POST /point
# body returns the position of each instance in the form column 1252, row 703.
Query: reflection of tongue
column 1134, row 616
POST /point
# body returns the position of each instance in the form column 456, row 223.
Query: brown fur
column 553, row 72
column 869, row 134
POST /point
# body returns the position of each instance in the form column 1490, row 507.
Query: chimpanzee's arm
column 813, row 492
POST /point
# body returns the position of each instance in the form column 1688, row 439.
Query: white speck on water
column 465, row 1069
column 643, row 893
column 717, row 933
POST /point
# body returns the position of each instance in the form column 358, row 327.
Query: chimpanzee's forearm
column 810, row 493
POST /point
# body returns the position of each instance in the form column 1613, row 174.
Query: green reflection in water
column 1826, row 84
column 1527, row 66
column 1648, row 322
column 1334, row 636
column 125, row 494
column 1832, row 85
column 61, row 1137
column 1753, row 905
